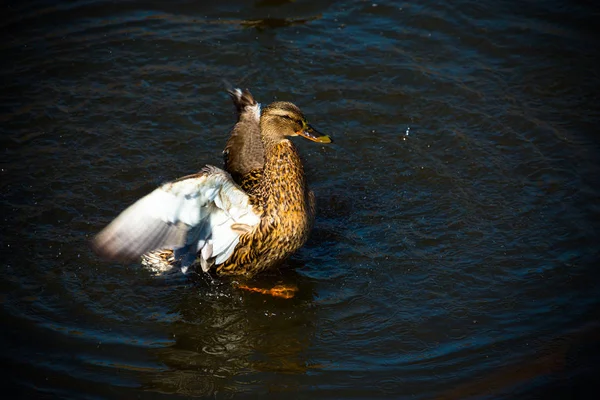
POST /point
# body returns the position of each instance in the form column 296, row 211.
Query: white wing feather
column 191, row 215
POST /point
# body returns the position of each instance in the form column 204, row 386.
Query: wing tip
column 105, row 245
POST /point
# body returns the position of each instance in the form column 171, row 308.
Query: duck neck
column 283, row 180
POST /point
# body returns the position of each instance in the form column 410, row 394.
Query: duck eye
column 297, row 121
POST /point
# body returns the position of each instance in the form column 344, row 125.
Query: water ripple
column 457, row 208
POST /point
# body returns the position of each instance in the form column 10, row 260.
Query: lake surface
column 455, row 253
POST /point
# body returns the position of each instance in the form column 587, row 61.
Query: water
column 455, row 251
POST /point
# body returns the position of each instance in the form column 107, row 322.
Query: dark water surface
column 455, row 253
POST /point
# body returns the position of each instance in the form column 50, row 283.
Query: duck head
column 281, row 119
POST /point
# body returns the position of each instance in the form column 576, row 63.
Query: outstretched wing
column 205, row 212
column 244, row 151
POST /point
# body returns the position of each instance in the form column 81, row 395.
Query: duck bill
column 312, row 134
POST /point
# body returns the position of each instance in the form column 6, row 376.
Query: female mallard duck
column 240, row 224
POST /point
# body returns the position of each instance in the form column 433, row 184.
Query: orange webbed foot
column 281, row 291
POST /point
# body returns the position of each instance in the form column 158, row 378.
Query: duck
column 241, row 220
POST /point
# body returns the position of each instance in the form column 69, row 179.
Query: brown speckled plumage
column 273, row 177
column 287, row 211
